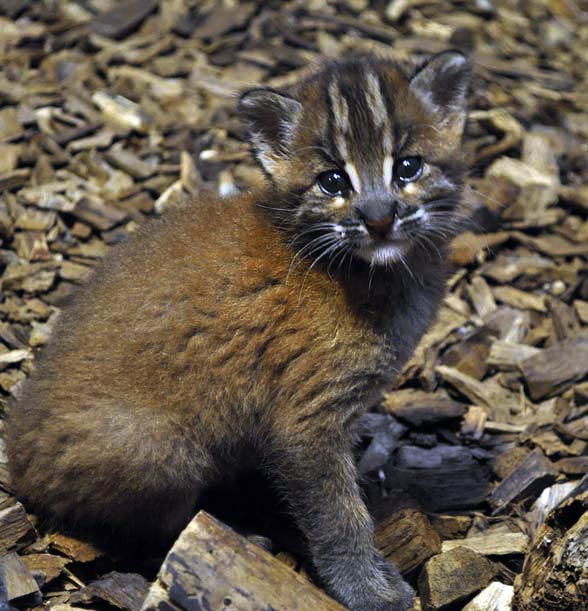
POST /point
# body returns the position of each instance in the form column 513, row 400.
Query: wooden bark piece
column 212, row 567
column 528, row 480
column 14, row 526
column 123, row 19
column 449, row 487
column 408, row 539
column 127, row 591
column 453, row 576
column 556, row 367
column 45, row 567
column 422, row 408
column 555, row 573
column 496, row 597
column 492, row 544
column 16, row 580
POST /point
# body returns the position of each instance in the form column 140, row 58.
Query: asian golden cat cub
column 256, row 329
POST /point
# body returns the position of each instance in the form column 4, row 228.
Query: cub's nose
column 379, row 220
column 379, row 228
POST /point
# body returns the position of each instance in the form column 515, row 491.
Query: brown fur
column 205, row 344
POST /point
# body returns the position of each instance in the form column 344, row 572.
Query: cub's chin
column 384, row 253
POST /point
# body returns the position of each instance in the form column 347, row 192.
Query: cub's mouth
column 383, row 252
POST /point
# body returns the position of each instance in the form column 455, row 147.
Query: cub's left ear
column 270, row 118
column 442, row 83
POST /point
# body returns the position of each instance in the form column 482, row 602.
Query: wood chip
column 16, row 580
column 496, row 597
column 492, row 544
column 14, row 527
column 525, row 482
column 452, row 577
column 408, row 539
column 556, row 368
column 520, row 299
column 125, row 591
column 124, row 18
column 236, row 570
column 421, row 408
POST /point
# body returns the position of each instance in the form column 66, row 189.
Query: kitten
column 256, row 329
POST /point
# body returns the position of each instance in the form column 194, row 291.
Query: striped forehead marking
column 375, row 102
column 340, row 118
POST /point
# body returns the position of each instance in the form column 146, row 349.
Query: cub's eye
column 408, row 169
column 333, row 182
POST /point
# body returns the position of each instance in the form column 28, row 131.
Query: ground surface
column 111, row 111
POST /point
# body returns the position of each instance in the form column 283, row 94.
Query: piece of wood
column 453, row 576
column 555, row 573
column 508, row 355
column 450, row 487
column 496, row 597
column 126, row 591
column 414, row 457
column 470, row 354
column 481, row 297
column 421, row 408
column 79, row 551
column 450, row 526
column 556, row 367
column 492, row 544
column 45, row 567
column 548, row 500
column 575, row 465
column 520, row 299
column 212, row 567
column 474, row 422
column 124, row 18
column 525, row 482
column 16, row 580
column 408, row 539
column 500, row 401
column 14, row 527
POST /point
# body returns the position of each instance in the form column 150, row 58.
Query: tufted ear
column 270, row 118
column 442, row 84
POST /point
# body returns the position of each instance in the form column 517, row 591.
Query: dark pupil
column 333, row 182
column 409, row 168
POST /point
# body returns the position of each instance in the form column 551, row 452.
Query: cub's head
column 369, row 156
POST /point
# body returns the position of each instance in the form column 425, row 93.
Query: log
column 555, row 572
column 212, row 567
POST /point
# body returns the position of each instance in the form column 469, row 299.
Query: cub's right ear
column 270, row 118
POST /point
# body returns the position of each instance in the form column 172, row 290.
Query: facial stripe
column 387, row 170
column 380, row 118
column 353, row 176
column 340, row 110
column 375, row 100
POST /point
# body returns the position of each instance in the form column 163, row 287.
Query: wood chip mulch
column 113, row 111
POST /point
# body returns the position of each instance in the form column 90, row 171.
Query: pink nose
column 379, row 228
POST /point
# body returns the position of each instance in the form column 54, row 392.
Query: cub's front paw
column 403, row 595
column 387, row 590
column 400, row 603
